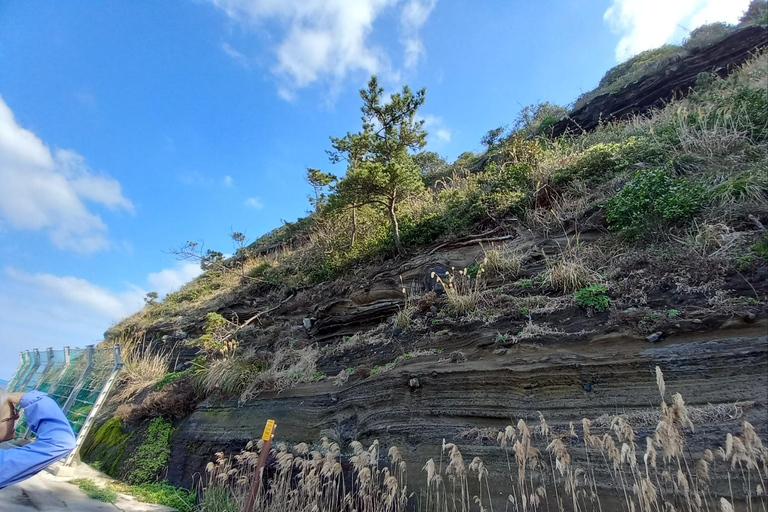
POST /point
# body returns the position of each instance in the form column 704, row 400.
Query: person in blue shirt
column 55, row 438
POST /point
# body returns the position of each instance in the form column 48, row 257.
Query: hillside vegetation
column 650, row 227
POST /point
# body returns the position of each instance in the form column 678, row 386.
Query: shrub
column 707, row 34
column 756, row 13
column 593, row 297
column 93, row 491
column 151, row 457
column 761, row 247
column 217, row 337
column 166, row 494
column 653, row 197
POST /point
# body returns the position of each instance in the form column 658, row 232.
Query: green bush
column 605, row 160
column 89, row 487
column 707, row 34
column 166, row 494
column 593, row 297
column 650, row 199
column 761, row 247
column 151, row 457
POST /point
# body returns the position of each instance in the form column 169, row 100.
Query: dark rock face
column 431, row 282
column 567, row 381
column 653, row 90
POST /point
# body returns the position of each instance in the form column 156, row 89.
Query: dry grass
column 658, row 473
column 143, row 366
column 463, row 293
column 288, row 368
column 404, row 315
column 229, row 375
column 570, row 270
column 503, row 259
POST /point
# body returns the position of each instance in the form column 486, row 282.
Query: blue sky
column 127, row 127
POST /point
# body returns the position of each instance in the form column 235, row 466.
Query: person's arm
column 55, row 439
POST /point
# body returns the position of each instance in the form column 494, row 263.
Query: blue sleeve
column 55, row 439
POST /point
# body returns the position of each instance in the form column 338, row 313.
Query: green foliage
column 673, row 313
column 474, row 269
column 707, row 34
column 593, row 297
column 433, row 167
column 760, row 247
column 107, row 445
column 93, row 491
column 381, row 171
column 756, row 13
column 173, row 377
column 605, row 160
column 504, row 188
column 536, row 119
column 166, row 494
column 215, row 324
column 632, row 69
column 651, row 198
column 151, row 457
column 492, row 137
column 618, row 74
column 319, row 181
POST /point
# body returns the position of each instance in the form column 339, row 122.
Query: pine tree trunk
column 354, row 225
column 395, row 228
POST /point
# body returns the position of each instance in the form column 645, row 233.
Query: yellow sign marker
column 269, row 428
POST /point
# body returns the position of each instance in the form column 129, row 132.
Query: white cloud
column 40, row 190
column 414, row 15
column 228, row 181
column 436, row 127
column 235, row 55
column 254, row 202
column 171, row 279
column 82, row 293
column 42, row 310
column 327, row 40
column 646, row 24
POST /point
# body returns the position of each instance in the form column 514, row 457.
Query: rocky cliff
column 674, row 81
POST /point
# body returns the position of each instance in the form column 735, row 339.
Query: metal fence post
column 32, row 370
column 43, row 375
column 88, row 424
column 55, row 382
column 48, row 366
column 19, row 371
column 81, row 381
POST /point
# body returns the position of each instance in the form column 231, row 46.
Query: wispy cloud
column 436, row 128
column 414, row 15
column 236, row 55
column 76, row 311
column 86, row 98
column 254, row 202
column 47, row 191
column 228, row 181
column 326, row 40
column 646, row 24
